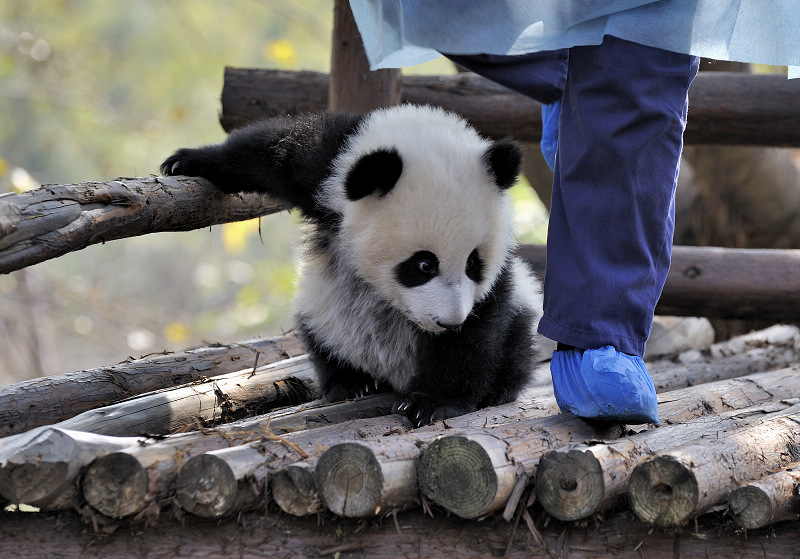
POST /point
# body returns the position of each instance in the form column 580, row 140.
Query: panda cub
column 407, row 280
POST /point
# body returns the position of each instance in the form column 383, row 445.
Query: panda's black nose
column 449, row 326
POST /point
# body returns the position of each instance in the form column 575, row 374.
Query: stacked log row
column 357, row 459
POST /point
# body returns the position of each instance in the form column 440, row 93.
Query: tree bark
column 56, row 219
column 583, row 480
column 117, row 496
column 443, row 477
column 723, row 283
column 773, row 498
column 44, row 401
column 39, row 468
column 219, row 399
column 686, row 481
column 724, row 107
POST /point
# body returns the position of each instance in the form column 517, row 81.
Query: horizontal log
column 39, row 468
column 47, row 400
column 581, row 480
column 218, row 399
column 445, row 479
column 675, row 485
column 273, row 534
column 724, row 108
column 116, row 495
column 53, row 220
column 723, row 282
column 771, row 499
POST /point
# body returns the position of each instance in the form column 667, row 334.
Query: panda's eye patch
column 417, row 269
column 474, row 266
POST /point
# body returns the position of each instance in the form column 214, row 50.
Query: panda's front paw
column 354, row 385
column 187, row 161
column 423, row 409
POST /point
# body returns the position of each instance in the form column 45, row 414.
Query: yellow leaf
column 281, row 51
column 177, row 332
column 3, row 166
column 234, row 235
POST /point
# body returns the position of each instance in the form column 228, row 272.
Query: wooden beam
column 353, row 87
column 724, row 108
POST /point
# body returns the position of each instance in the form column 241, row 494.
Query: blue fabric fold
column 604, row 384
column 549, row 142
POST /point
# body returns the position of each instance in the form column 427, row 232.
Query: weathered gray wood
column 773, row 498
column 581, row 480
column 723, row 282
column 56, row 219
column 160, row 462
column 724, row 108
column 48, row 400
column 675, row 485
column 220, row 398
column 259, row 534
column 294, row 489
column 38, row 468
column 353, row 482
column 526, row 441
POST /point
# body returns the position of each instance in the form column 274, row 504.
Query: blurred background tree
column 94, row 90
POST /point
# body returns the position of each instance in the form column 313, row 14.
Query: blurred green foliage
column 96, row 89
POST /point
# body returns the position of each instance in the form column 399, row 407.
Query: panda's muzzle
column 448, row 326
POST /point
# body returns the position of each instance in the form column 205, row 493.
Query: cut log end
column 349, row 480
column 295, row 490
column 569, row 485
column 32, row 482
column 116, row 485
column 750, row 506
column 663, row 491
column 457, row 473
column 206, row 486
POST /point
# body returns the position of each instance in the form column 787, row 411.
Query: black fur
column 504, row 161
column 485, row 361
column 377, row 171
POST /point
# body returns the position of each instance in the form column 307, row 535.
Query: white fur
column 446, row 202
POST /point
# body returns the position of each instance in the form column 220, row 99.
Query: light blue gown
column 398, row 33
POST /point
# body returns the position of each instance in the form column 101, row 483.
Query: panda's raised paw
column 186, row 161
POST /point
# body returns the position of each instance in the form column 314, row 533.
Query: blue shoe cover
column 604, row 384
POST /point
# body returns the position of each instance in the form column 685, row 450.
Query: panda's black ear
column 503, row 160
column 375, row 172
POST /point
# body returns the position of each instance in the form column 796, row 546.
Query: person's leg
column 610, row 233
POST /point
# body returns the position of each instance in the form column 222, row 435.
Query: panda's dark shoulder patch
column 375, row 172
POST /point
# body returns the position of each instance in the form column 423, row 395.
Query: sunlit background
column 95, row 90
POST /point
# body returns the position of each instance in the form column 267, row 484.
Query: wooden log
column 773, row 498
column 273, row 534
column 56, row 219
column 723, row 282
column 686, row 481
column 581, row 480
column 221, row 398
column 294, row 489
column 39, row 468
column 117, row 496
column 527, row 441
column 353, row 87
column 48, row 400
column 353, row 483
column 724, row 107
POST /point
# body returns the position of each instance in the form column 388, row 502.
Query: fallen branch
column 48, row 400
column 687, row 481
column 771, row 499
column 56, row 219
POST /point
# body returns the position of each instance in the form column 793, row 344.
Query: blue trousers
column 620, row 135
